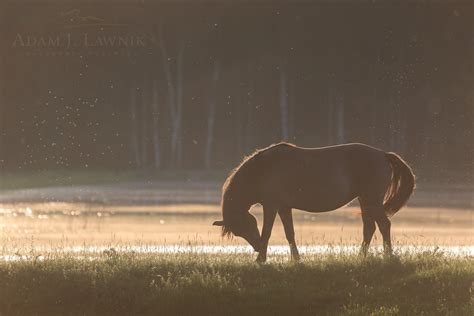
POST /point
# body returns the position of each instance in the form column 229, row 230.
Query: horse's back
column 322, row 178
column 319, row 159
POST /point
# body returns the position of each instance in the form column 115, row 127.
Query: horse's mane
column 236, row 180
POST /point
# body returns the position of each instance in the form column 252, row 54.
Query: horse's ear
column 218, row 223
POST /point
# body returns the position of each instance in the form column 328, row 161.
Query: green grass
column 197, row 284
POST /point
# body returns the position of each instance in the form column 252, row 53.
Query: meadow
column 108, row 250
column 114, row 283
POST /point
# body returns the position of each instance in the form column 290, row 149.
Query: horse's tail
column 402, row 185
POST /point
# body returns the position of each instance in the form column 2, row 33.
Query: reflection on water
column 69, row 224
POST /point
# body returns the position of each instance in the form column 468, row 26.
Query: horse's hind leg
column 384, row 224
column 374, row 213
column 287, row 220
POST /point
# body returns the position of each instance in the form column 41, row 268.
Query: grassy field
column 61, row 217
column 192, row 284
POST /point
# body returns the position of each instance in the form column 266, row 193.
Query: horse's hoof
column 391, row 256
column 388, row 253
column 364, row 250
column 296, row 258
column 261, row 259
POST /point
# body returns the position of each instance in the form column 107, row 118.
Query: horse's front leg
column 287, row 220
column 269, row 214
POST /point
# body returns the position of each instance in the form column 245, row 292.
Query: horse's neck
column 241, row 194
column 237, row 204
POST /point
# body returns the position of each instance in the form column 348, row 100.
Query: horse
column 283, row 177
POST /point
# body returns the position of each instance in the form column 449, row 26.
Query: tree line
column 217, row 81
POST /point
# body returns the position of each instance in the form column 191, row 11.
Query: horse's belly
column 325, row 199
column 321, row 206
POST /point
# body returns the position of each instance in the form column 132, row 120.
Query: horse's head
column 244, row 226
column 239, row 193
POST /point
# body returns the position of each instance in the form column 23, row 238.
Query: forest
column 167, row 85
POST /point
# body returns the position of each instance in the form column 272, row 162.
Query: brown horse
column 283, row 176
